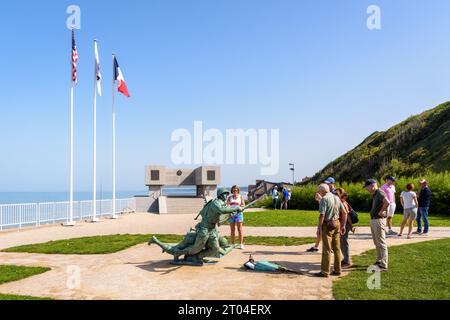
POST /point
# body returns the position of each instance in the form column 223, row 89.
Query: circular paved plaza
column 144, row 272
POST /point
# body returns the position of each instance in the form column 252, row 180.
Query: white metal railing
column 17, row 216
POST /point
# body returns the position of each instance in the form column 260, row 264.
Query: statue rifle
column 251, row 204
column 196, row 218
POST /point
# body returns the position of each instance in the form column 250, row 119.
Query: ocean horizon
column 18, row 197
column 42, row 197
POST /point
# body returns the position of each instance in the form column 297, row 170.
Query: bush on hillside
column 361, row 200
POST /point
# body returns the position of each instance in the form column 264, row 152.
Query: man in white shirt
column 275, row 197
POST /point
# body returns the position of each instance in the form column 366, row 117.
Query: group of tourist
column 335, row 221
column 415, row 206
column 236, row 221
column 285, row 198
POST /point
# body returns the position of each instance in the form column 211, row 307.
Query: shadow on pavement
column 163, row 266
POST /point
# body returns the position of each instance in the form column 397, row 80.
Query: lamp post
column 292, row 168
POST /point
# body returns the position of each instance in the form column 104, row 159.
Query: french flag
column 118, row 77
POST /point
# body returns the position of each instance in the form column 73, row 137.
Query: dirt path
column 143, row 272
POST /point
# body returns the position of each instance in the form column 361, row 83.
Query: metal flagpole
column 94, row 195
column 114, row 216
column 71, row 222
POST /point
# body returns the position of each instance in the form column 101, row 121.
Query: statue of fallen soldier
column 267, row 266
column 204, row 241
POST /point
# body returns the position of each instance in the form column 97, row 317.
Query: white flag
column 97, row 71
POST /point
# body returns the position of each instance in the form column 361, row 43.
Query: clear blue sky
column 310, row 68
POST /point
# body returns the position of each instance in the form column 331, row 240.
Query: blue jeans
column 344, row 244
column 422, row 214
column 275, row 203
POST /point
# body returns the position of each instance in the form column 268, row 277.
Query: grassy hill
column 414, row 147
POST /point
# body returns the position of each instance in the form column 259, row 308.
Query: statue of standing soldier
column 204, row 241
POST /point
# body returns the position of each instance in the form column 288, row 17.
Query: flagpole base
column 114, row 217
column 70, row 224
column 94, row 220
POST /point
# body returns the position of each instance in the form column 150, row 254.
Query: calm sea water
column 39, row 197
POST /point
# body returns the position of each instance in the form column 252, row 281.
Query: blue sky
column 309, row 68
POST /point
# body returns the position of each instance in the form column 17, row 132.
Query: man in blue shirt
column 284, row 202
column 424, row 206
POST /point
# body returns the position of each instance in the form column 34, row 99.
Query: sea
column 41, row 197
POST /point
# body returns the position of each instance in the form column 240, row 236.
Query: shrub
column 361, row 200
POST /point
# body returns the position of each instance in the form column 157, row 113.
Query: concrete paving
column 144, row 272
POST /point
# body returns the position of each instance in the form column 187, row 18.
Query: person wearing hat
column 331, row 182
column 389, row 189
column 275, row 197
column 424, row 207
column 380, row 203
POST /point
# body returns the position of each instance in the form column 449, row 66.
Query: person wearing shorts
column 410, row 204
column 237, row 218
column 285, row 201
column 389, row 190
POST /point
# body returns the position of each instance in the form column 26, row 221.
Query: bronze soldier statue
column 204, row 241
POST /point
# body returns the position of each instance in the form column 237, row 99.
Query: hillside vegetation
column 413, row 148
column 361, row 200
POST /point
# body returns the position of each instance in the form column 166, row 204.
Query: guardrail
column 17, row 216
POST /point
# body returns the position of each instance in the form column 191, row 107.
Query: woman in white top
column 236, row 219
column 410, row 204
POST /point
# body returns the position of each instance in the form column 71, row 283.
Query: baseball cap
column 369, row 182
column 392, row 178
column 330, row 180
column 423, row 181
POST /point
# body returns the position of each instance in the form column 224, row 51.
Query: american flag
column 74, row 59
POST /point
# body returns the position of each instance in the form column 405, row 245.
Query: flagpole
column 71, row 223
column 114, row 216
column 94, row 193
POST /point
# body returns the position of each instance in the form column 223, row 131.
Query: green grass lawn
column 11, row 297
column 15, row 273
column 92, row 245
column 300, row 218
column 278, row 241
column 115, row 243
column 418, row 271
